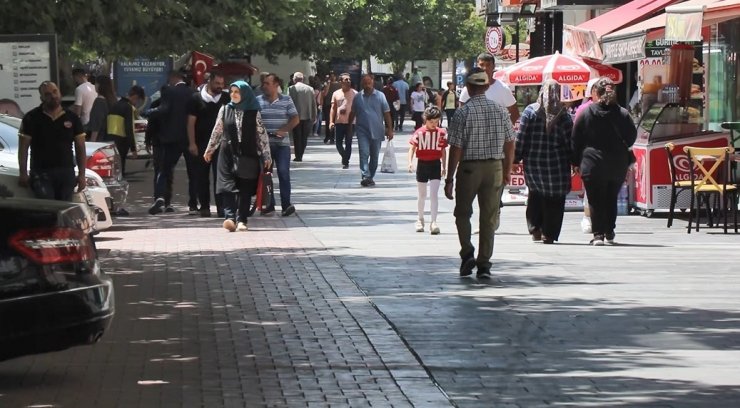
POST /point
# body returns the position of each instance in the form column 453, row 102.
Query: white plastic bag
column 389, row 165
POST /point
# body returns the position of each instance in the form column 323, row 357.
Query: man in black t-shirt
column 203, row 109
column 50, row 131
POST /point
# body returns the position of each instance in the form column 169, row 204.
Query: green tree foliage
column 394, row 30
column 404, row 30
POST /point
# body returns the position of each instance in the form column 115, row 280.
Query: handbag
column 247, row 167
column 265, row 192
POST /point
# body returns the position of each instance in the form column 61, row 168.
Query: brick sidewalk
column 212, row 319
column 344, row 305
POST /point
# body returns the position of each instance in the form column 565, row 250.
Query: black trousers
column 300, row 137
column 166, row 158
column 164, row 190
column 401, row 116
column 418, row 118
column 191, row 162
column 214, row 178
column 201, row 174
column 328, row 133
column 602, row 201
column 449, row 113
column 394, row 114
column 545, row 214
column 123, row 145
column 236, row 204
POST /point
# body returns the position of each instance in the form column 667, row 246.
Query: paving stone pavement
column 652, row 322
column 345, row 305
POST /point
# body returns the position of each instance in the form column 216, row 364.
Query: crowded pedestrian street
column 345, row 305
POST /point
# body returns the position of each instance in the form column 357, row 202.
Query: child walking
column 429, row 144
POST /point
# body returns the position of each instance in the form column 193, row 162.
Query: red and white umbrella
column 562, row 68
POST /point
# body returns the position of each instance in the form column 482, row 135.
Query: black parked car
column 53, row 294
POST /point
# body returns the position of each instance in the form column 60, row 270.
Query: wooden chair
column 734, row 128
column 677, row 186
column 712, row 164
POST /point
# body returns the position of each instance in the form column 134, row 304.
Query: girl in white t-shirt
column 418, row 99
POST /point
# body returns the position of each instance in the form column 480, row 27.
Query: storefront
column 711, row 78
column 688, row 76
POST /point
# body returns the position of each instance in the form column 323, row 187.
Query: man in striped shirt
column 481, row 140
column 279, row 116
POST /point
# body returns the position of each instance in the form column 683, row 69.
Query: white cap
column 298, row 75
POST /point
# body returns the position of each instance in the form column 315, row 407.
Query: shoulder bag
column 630, row 154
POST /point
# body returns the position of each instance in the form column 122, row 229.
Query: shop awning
column 622, row 45
column 721, row 11
column 624, row 15
column 583, row 40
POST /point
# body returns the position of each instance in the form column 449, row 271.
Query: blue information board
column 150, row 74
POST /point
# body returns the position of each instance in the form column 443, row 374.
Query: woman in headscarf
column 243, row 141
column 602, row 136
column 544, row 147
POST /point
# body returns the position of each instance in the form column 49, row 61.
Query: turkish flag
column 200, row 63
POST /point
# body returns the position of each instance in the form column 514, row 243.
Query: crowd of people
column 230, row 136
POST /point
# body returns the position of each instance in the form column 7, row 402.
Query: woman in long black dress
column 243, row 141
column 602, row 136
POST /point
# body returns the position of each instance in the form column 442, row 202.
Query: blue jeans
column 281, row 159
column 317, row 125
column 343, row 140
column 369, row 149
column 57, row 183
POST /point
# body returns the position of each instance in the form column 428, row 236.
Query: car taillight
column 53, row 245
column 101, row 164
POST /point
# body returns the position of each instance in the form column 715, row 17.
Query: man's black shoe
column 365, row 182
column 298, row 159
column 372, row 182
column 483, row 273
column 267, row 211
column 156, row 208
column 169, row 209
column 345, row 166
column 193, row 210
column 466, row 266
column 205, row 213
column 290, row 210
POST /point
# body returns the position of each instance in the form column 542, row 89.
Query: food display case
column 660, row 124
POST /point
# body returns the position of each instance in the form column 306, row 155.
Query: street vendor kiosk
column 660, row 124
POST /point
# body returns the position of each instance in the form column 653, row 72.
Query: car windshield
column 9, row 133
